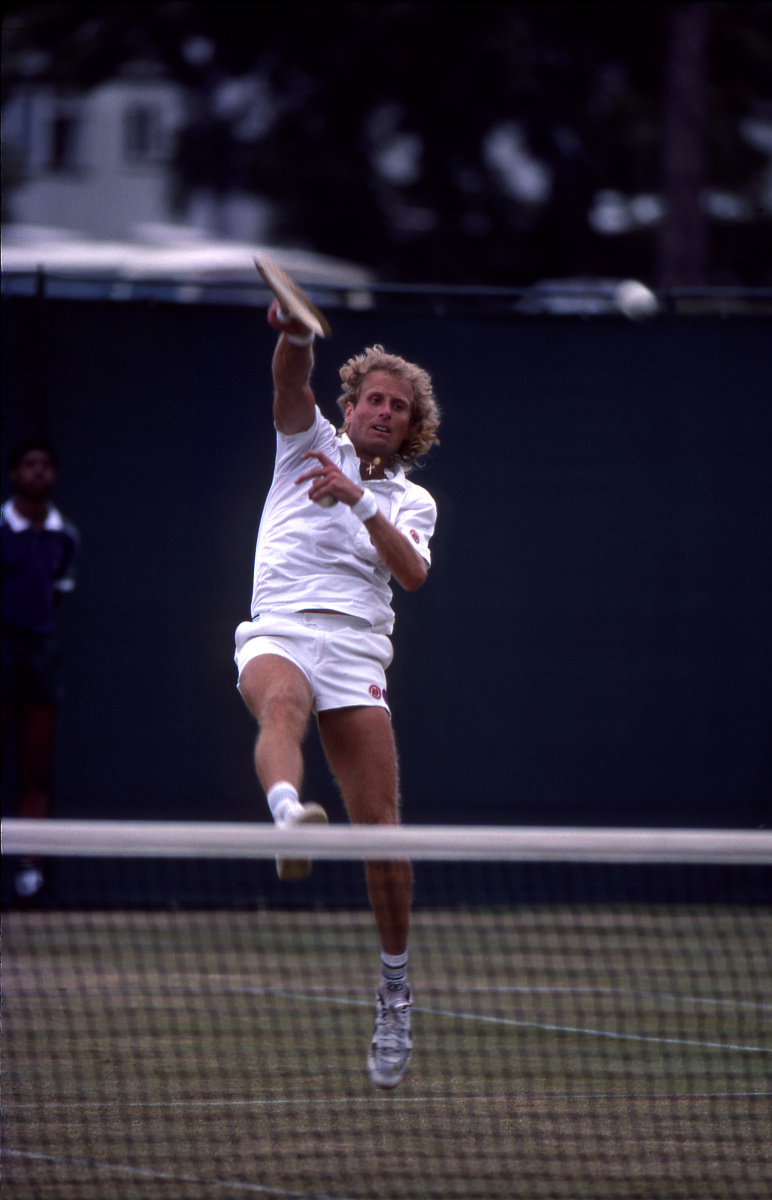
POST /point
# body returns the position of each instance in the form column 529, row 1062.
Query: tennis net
column 592, row 1015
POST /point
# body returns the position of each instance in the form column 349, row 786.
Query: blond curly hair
column 425, row 412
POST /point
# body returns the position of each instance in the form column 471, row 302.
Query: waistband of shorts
column 310, row 618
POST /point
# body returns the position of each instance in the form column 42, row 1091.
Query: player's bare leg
column 279, row 697
column 359, row 744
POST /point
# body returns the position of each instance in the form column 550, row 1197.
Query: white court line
column 511, row 1021
column 167, row 1176
column 439, row 1098
column 627, row 1037
column 439, row 1012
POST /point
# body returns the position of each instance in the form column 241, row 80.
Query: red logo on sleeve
column 414, row 535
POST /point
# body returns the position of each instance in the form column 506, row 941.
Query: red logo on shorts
column 414, row 535
column 375, row 691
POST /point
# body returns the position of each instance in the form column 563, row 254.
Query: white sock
column 394, row 971
column 283, row 802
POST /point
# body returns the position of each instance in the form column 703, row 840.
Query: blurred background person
column 38, row 548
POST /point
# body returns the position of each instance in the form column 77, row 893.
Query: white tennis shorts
column 340, row 656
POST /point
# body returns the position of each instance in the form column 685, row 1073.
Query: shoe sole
column 383, row 1082
column 290, row 870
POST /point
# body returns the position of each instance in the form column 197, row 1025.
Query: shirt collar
column 394, row 474
column 18, row 523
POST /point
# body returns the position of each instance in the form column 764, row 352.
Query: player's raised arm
column 294, row 401
column 293, row 315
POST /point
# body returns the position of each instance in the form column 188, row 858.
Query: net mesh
column 185, row 1026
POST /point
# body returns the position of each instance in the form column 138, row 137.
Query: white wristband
column 365, row 507
column 298, row 339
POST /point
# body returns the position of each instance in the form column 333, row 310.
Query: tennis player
column 340, row 520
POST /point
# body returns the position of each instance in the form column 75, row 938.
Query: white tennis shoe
column 392, row 1043
column 29, row 881
column 292, row 869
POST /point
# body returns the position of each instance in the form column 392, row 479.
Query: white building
column 96, row 163
column 93, row 193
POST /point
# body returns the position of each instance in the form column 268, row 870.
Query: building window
column 142, row 135
column 63, row 143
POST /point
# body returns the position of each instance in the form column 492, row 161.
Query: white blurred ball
column 326, row 501
column 635, row 300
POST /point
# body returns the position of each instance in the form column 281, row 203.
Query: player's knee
column 284, row 712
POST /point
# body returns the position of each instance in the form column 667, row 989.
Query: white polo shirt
column 313, row 557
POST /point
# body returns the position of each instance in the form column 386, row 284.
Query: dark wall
column 593, row 644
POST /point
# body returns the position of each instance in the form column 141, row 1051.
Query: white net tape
column 189, row 839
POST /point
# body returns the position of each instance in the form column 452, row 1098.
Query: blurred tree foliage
column 452, row 142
